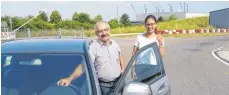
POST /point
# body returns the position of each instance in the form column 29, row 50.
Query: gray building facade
column 219, row 18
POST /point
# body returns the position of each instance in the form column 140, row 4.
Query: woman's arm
column 162, row 50
column 161, row 46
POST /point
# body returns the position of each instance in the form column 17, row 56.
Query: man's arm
column 133, row 74
column 76, row 73
column 121, row 58
column 122, row 63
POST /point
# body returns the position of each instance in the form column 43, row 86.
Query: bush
column 160, row 19
column 172, row 17
column 113, row 23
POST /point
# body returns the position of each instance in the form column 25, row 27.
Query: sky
column 108, row 9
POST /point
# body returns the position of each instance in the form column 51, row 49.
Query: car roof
column 45, row 46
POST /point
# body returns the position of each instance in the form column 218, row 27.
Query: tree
column 17, row 22
column 6, row 19
column 160, row 19
column 84, row 18
column 98, row 18
column 43, row 16
column 172, row 17
column 75, row 17
column 55, row 17
column 113, row 23
column 125, row 20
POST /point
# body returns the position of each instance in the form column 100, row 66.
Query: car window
column 35, row 72
column 145, row 65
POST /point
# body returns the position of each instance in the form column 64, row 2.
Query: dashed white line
column 214, row 55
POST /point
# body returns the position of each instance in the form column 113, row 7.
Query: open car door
column 150, row 77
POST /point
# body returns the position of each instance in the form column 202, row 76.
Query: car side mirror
column 136, row 88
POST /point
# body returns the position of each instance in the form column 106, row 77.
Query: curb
column 218, row 30
column 217, row 53
column 171, row 32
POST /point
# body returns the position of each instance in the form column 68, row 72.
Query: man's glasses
column 106, row 29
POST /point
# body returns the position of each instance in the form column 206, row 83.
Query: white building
column 178, row 15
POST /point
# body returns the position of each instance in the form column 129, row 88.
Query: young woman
column 146, row 38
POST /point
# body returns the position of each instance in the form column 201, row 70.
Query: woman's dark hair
column 152, row 17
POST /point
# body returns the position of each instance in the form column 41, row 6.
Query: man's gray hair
column 98, row 22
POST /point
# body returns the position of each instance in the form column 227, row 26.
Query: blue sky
column 108, row 9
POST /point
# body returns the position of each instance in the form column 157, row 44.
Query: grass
column 180, row 24
column 184, row 24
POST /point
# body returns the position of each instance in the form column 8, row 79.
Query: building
column 178, row 15
column 219, row 18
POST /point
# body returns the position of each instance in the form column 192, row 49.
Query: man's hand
column 122, row 70
column 122, row 63
column 64, row 82
column 160, row 39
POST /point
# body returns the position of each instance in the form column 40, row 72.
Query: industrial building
column 179, row 15
column 219, row 18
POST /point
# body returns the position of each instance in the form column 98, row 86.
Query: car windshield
column 28, row 74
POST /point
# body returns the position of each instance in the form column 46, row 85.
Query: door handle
column 162, row 88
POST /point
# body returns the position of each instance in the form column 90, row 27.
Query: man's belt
column 110, row 83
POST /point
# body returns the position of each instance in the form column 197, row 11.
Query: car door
column 148, row 67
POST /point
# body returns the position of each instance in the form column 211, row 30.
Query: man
column 107, row 58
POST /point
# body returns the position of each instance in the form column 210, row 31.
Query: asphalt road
column 189, row 64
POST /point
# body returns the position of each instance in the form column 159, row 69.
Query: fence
column 47, row 33
column 30, row 33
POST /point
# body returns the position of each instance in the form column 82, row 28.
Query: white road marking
column 214, row 55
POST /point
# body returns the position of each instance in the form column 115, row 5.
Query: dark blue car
column 33, row 67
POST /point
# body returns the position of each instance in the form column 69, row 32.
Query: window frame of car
column 153, row 45
column 91, row 69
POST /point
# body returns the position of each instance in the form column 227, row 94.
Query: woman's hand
column 160, row 39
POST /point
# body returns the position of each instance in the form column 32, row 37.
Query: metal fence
column 29, row 33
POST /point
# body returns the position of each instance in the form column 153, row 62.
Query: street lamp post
column 117, row 14
column 10, row 20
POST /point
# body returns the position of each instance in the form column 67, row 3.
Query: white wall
column 141, row 17
column 179, row 15
column 193, row 15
